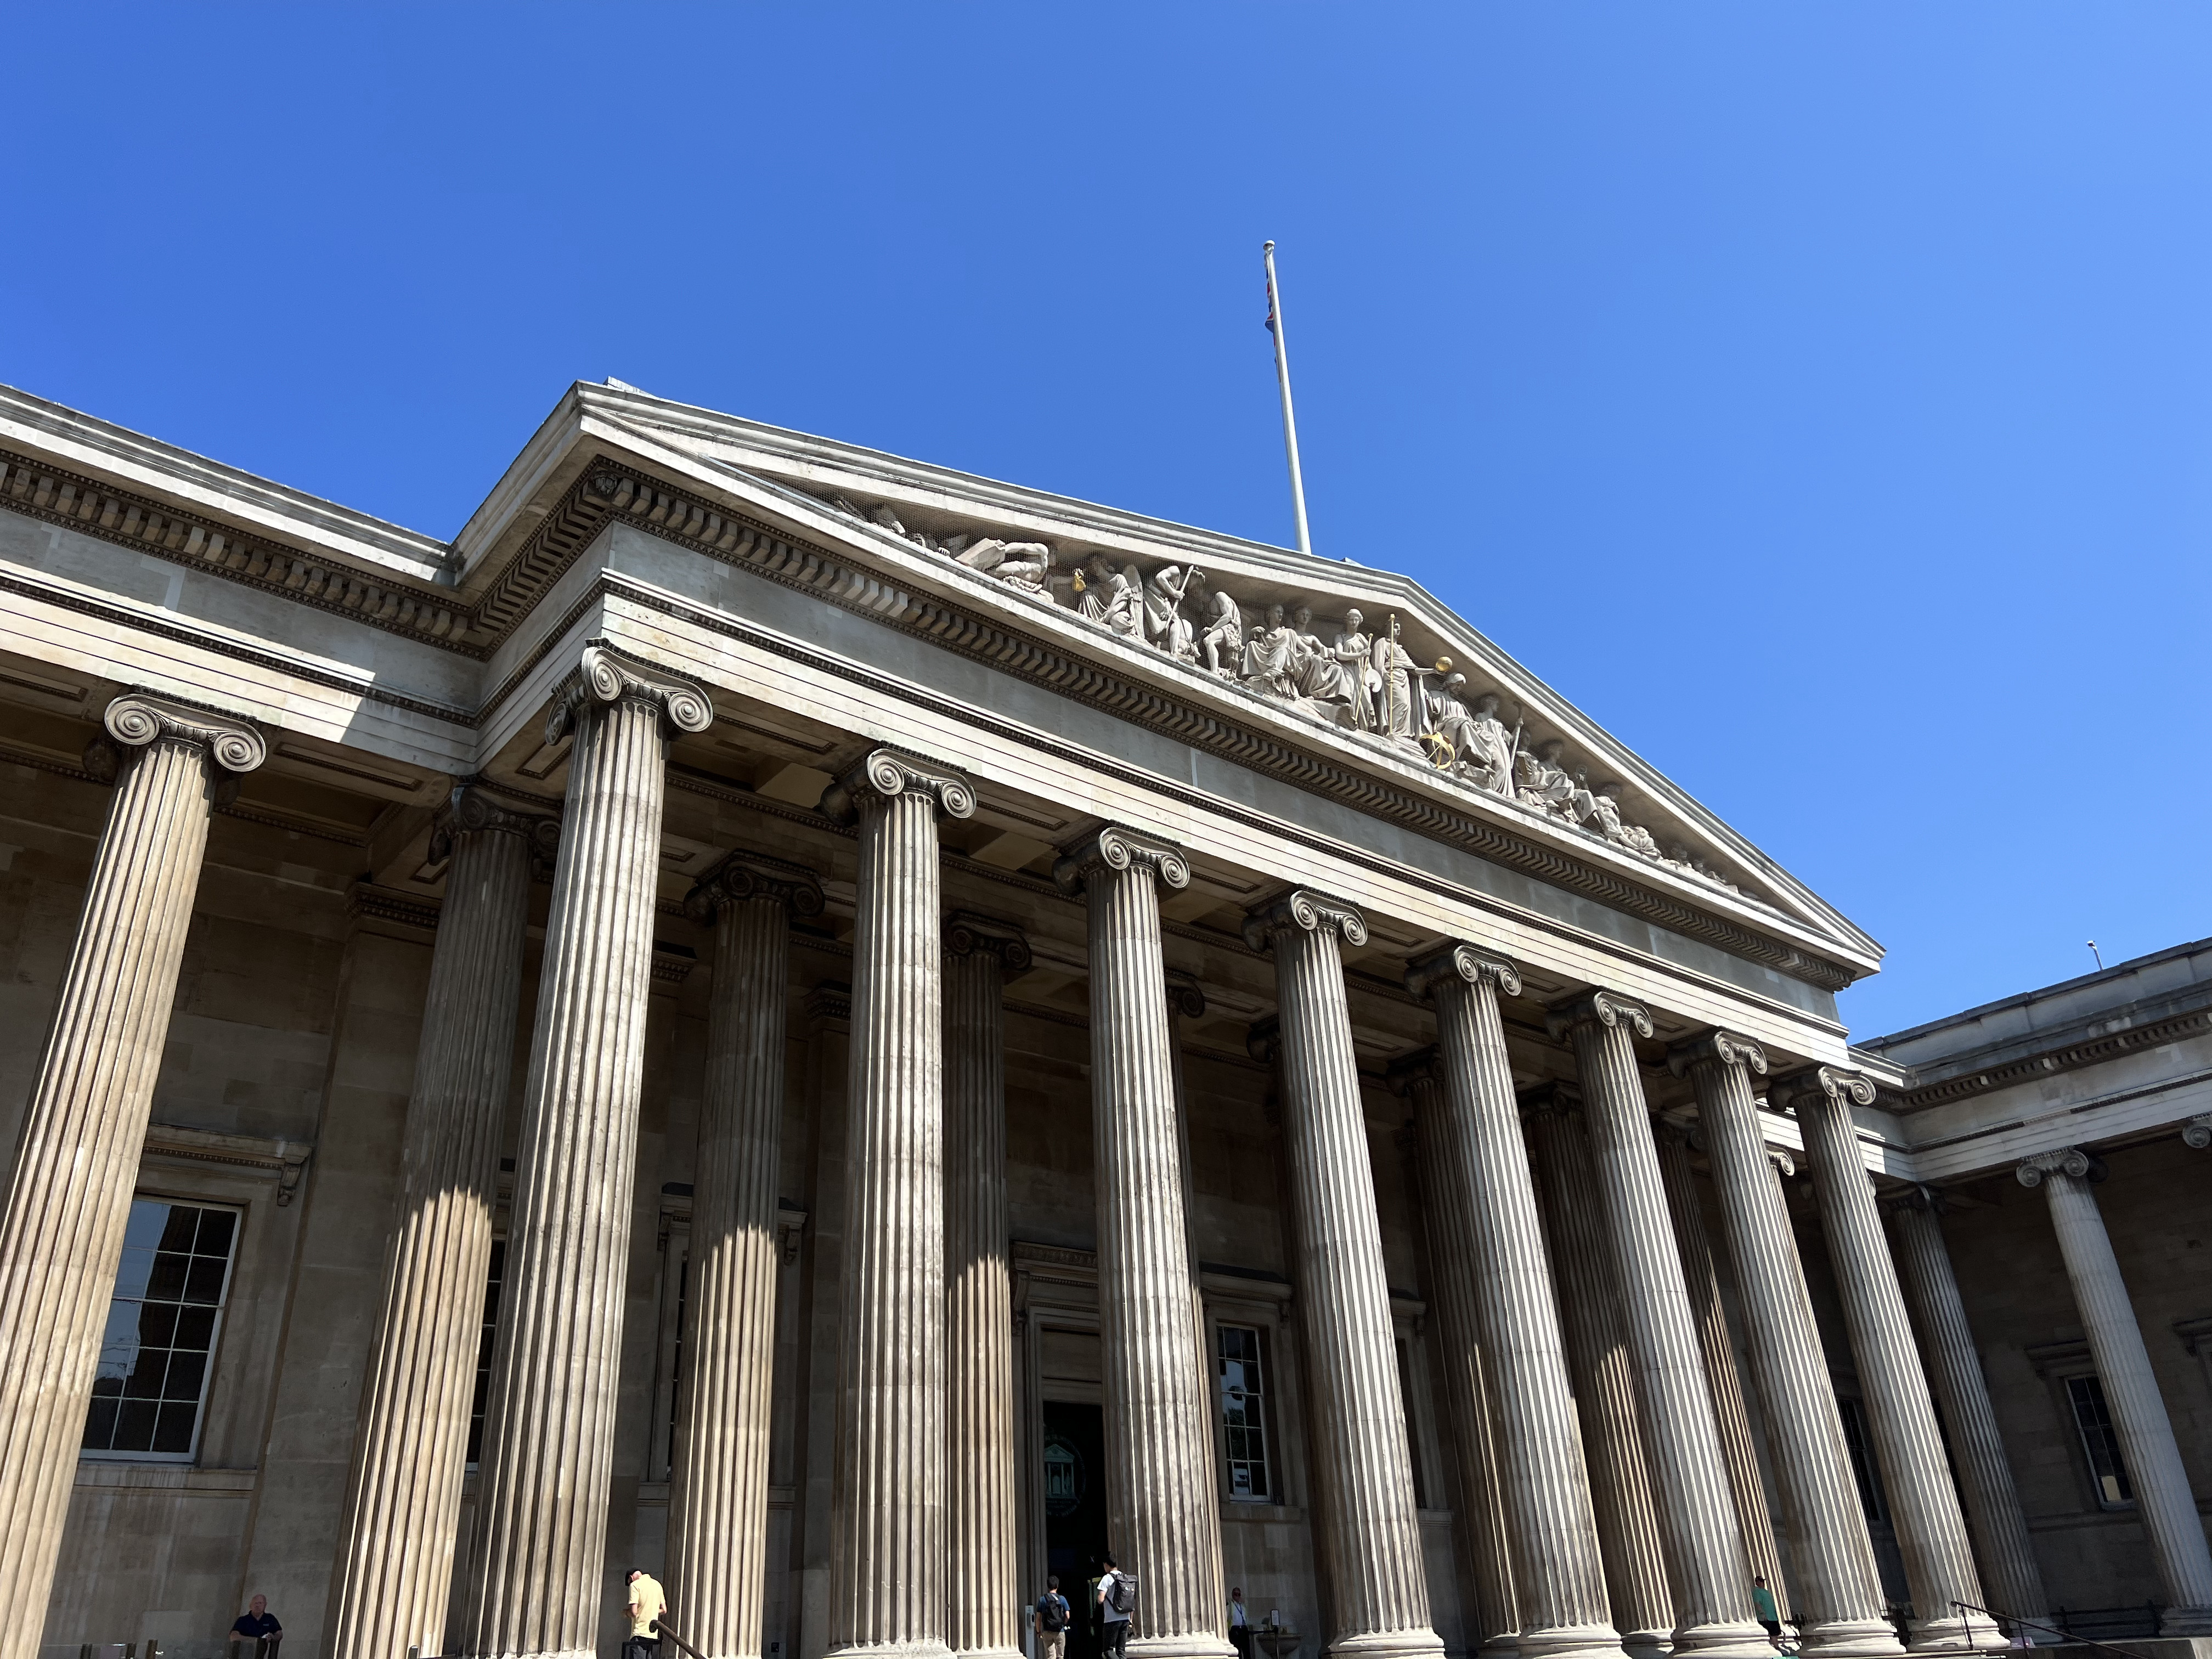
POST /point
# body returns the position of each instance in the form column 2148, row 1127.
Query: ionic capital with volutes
column 603, row 677
column 1719, row 1049
column 1186, row 996
column 1263, row 1039
column 1302, row 910
column 1422, row 1068
column 2032, row 1171
column 740, row 875
column 1558, row 1097
column 1832, row 1084
column 138, row 720
column 886, row 774
column 1117, row 848
column 472, row 807
column 2197, row 1132
column 1916, row 1198
column 1596, row 1008
column 967, row 934
column 1468, row 963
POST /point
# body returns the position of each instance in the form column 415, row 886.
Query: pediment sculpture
column 1360, row 679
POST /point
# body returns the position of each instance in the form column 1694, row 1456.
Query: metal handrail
column 2065, row 1636
column 666, row 1630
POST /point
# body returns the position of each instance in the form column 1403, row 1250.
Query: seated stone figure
column 1025, row 566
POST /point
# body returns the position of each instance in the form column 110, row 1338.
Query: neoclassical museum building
column 856, row 1036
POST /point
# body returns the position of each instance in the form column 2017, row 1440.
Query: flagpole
column 1283, row 383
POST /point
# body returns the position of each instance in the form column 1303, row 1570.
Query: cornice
column 2072, row 1057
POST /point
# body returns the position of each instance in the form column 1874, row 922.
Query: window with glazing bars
column 2099, row 1441
column 163, row 1324
column 1244, row 1414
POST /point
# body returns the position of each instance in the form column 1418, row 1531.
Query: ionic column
column 1370, row 1533
column 540, row 1544
column 395, row 1561
column 1837, row 1587
column 76, row 1161
column 985, row 1588
column 2009, row 1568
column 1723, row 1385
column 1479, row 1519
column 2163, row 1500
column 1697, row 1512
column 717, row 1486
column 1586, row 1277
column 1931, row 1530
column 1160, row 1479
column 889, row 1561
column 1482, row 1178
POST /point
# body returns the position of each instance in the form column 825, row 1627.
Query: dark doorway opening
column 1075, row 1513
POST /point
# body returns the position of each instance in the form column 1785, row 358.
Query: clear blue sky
column 1820, row 396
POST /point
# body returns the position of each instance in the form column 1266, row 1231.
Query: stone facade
column 856, row 1036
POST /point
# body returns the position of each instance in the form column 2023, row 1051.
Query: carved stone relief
column 1357, row 679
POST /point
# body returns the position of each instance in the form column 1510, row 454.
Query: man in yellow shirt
column 647, row 1603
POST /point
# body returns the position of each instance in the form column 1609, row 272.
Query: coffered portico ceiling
column 624, row 511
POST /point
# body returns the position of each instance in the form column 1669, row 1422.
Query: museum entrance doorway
column 1075, row 1512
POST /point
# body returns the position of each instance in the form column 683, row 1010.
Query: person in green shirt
column 1763, row 1599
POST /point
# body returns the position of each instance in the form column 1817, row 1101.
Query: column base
column 1578, row 1642
column 1724, row 1640
column 975, row 1653
column 889, row 1650
column 1418, row 1644
column 2185, row 1621
column 1972, row 1632
column 1850, row 1638
column 1190, row 1644
column 1506, row 1644
column 1647, row 1644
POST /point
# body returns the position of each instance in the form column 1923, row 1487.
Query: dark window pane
column 108, row 1387
column 183, row 1223
column 167, row 1282
column 173, row 1433
column 185, row 1372
column 204, row 1283
column 144, row 1381
column 217, row 1227
column 134, row 1426
column 157, row 1324
column 195, row 1328
column 100, row 1427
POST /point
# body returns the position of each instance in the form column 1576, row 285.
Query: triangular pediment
column 1441, row 707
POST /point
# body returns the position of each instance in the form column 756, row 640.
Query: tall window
column 1244, row 1414
column 484, row 1341
column 1861, row 1447
column 155, row 1353
column 2094, row 1420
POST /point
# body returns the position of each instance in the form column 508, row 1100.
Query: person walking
column 1117, row 1600
column 648, row 1601
column 1762, row 1599
column 1049, row 1619
column 1240, row 1628
column 258, row 1625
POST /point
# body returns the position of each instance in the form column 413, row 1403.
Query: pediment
column 1439, row 704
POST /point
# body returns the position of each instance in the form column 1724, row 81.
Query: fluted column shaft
column 985, row 1587
column 1370, row 1531
column 549, row 1429
column 1697, row 1512
column 1923, row 1502
column 718, row 1488
column 1483, row 1179
column 2009, row 1572
column 76, row 1161
column 888, row 1560
column 1161, row 1487
column 395, row 1562
column 1723, row 1387
column 1586, row 1273
column 1837, row 1587
column 2163, row 1500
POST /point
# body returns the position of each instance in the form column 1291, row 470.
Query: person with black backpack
column 1049, row 1619
column 1117, row 1600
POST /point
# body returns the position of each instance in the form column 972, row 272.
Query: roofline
column 2020, row 1000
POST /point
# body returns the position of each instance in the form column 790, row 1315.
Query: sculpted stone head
column 1486, row 705
column 1352, row 622
column 1301, row 618
column 1274, row 615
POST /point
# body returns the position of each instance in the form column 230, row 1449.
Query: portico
column 837, row 965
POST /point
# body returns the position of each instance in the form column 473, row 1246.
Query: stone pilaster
column 540, row 1544
column 889, row 1564
column 395, row 1561
column 985, row 1590
column 1697, row 1511
column 1931, row 1529
column 1482, row 1179
column 2163, row 1501
column 1837, row 1588
column 717, row 1486
column 2009, row 1572
column 1369, row 1533
column 1586, row 1276
column 1161, row 1484
column 76, row 1161
column 1478, row 1517
column 1723, row 1386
